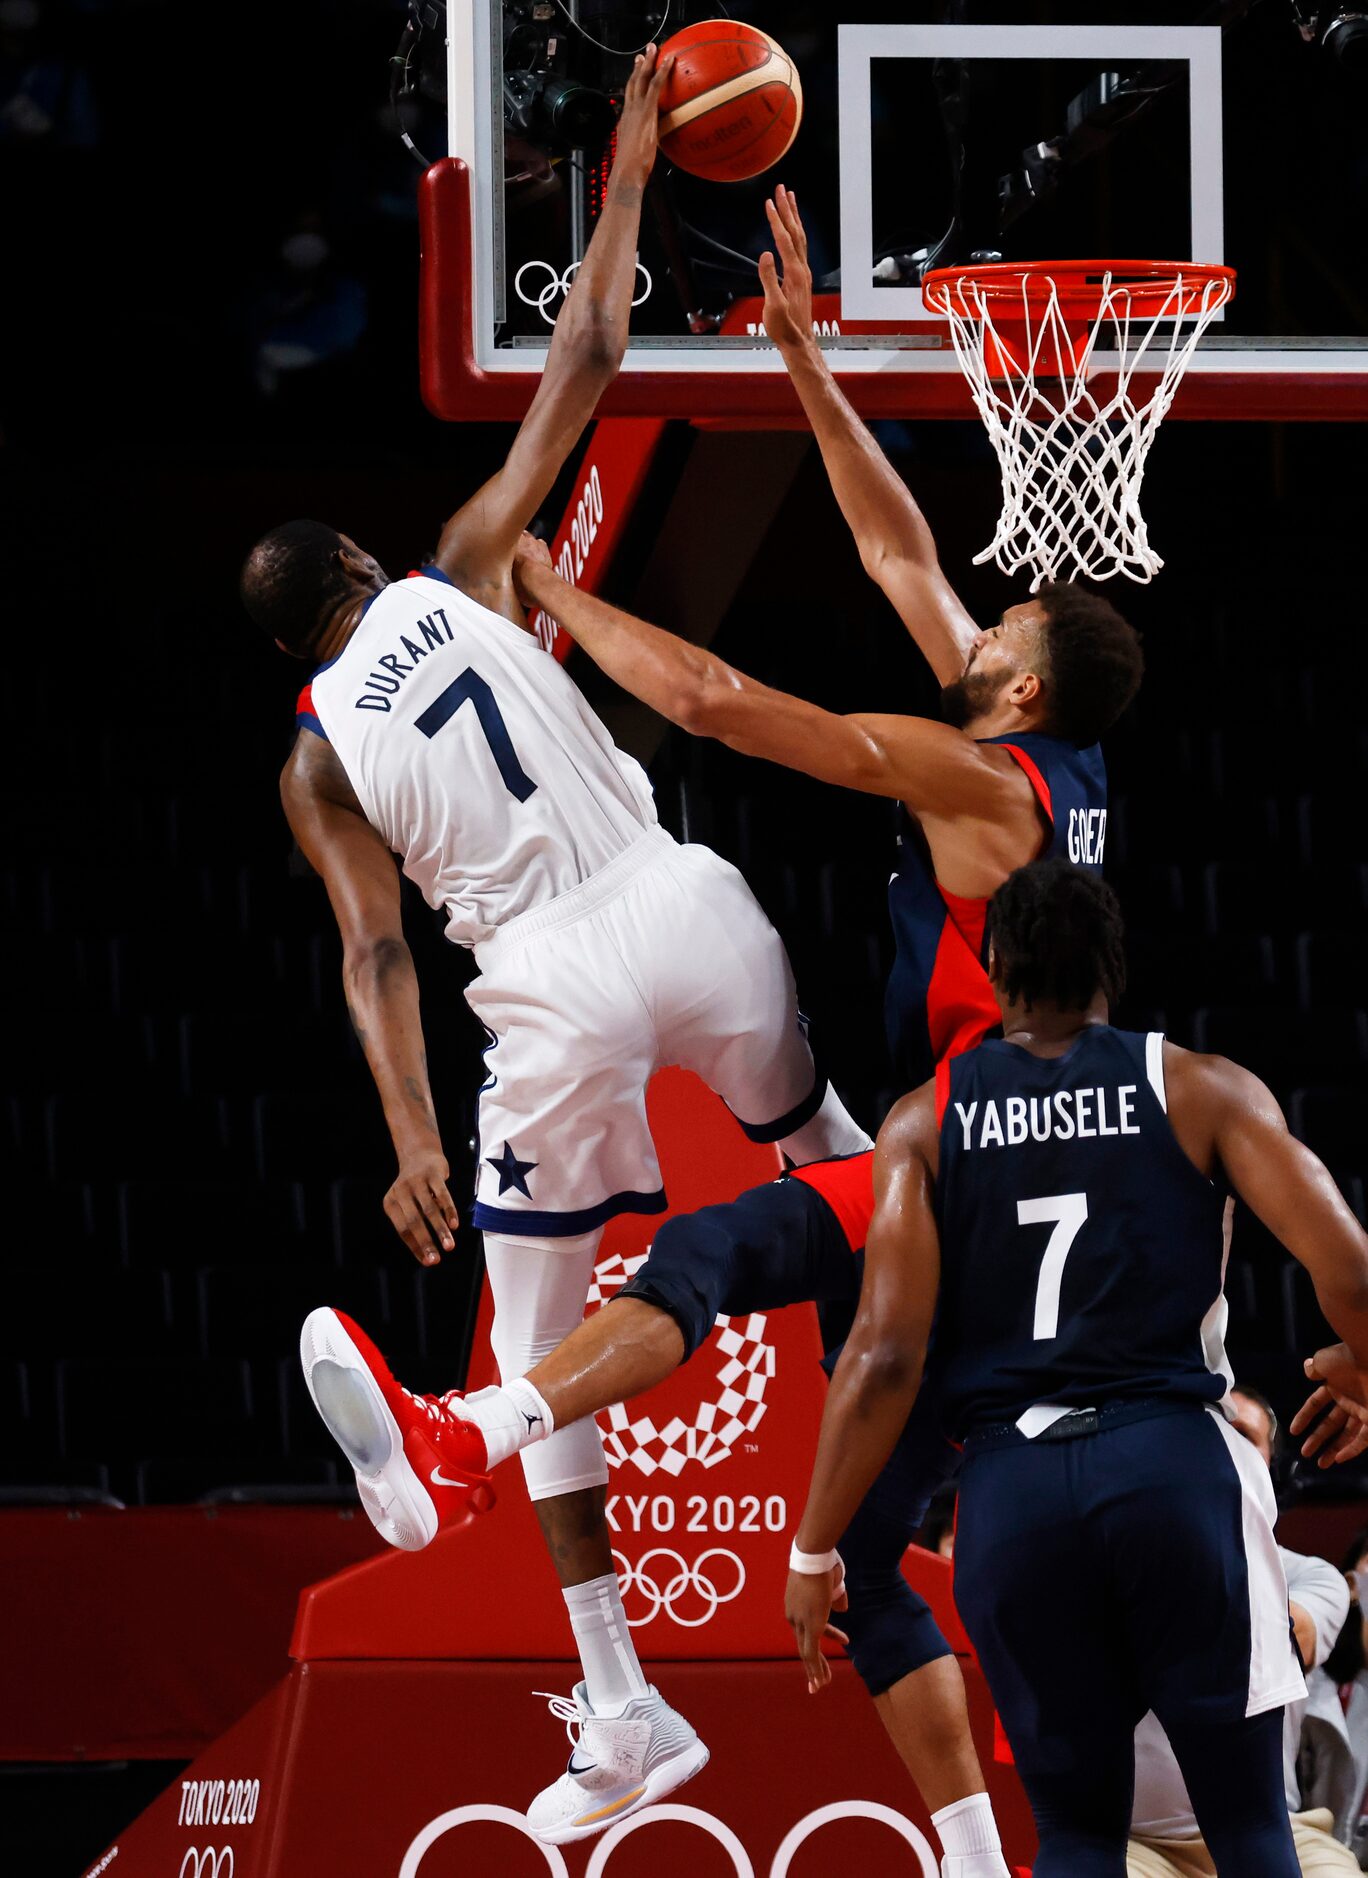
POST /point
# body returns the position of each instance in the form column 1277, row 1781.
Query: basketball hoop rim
column 1078, row 287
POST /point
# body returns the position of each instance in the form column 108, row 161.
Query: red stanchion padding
column 707, row 1477
column 422, row 1770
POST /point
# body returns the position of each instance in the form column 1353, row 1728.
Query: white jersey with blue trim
column 474, row 755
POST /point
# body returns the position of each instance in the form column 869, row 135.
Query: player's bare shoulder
column 910, row 1134
column 313, row 781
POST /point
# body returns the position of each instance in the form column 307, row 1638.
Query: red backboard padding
column 455, row 388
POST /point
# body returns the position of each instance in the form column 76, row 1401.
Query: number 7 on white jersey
column 1067, row 1212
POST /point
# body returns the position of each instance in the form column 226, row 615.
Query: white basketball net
column 1071, row 465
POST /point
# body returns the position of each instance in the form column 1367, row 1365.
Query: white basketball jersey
column 474, row 755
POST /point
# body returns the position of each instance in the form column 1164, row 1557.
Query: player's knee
column 892, row 1630
column 686, row 1275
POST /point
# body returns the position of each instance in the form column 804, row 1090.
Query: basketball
column 733, row 103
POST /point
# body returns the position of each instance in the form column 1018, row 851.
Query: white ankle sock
column 509, row 1418
column 969, row 1839
column 830, row 1132
column 612, row 1674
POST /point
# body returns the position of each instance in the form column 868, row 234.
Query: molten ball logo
column 736, row 1409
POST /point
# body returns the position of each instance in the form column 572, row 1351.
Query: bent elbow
column 889, row 1367
column 596, row 348
column 368, row 963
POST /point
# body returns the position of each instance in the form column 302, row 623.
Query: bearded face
column 972, row 695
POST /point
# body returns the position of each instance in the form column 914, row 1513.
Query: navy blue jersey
column 939, row 1001
column 1082, row 1255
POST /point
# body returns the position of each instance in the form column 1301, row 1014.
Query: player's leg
column 1206, row 1601
column 1032, row 1596
column 727, row 1008
column 902, row 1656
column 773, row 1245
column 1234, row 1776
column 632, row 1747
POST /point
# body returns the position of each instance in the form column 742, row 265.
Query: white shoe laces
column 436, row 1408
column 566, row 1709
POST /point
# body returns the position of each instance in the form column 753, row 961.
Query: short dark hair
column 1093, row 661
column 1058, row 937
column 290, row 577
column 1258, row 1397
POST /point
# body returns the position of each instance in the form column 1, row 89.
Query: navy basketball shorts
column 1129, row 1569
column 782, row 1244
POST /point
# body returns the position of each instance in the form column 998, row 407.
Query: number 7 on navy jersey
column 1067, row 1213
column 470, row 685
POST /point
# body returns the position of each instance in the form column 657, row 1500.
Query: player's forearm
column 658, row 667
column 895, row 542
column 879, row 507
column 382, row 1002
column 867, row 1407
column 593, row 324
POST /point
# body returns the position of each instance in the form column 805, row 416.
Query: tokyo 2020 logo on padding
column 923, row 1863
column 736, row 1409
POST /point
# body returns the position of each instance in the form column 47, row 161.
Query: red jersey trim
column 942, row 1089
column 1034, row 777
column 848, row 1188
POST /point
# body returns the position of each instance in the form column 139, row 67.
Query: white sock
column 510, row 1418
column 612, row 1674
column 830, row 1132
column 969, row 1839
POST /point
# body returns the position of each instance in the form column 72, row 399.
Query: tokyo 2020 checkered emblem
column 735, row 1408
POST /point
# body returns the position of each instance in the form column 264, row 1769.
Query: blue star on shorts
column 511, row 1171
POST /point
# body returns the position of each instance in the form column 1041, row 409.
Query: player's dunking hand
column 788, row 300
column 420, row 1208
column 809, row 1600
column 637, row 127
column 1337, row 1412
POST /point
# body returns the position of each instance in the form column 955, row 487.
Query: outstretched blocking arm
column 895, row 543
column 586, row 352
column 934, row 769
column 381, row 986
column 880, row 1369
column 1289, row 1189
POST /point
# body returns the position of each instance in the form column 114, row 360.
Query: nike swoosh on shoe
column 439, row 1479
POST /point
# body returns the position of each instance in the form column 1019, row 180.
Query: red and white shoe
column 418, row 1465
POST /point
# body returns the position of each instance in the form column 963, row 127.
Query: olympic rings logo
column 682, row 1578
column 928, row 1866
column 208, row 1863
column 559, row 284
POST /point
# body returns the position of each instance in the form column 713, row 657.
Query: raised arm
column 1289, row 1189
column 880, row 1368
column 381, row 986
column 586, row 352
column 895, row 543
column 935, row 770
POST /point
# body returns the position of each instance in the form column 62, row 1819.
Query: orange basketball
column 732, row 105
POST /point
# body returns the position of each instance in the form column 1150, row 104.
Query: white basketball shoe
column 620, row 1763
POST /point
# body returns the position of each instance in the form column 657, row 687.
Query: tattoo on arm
column 413, row 1089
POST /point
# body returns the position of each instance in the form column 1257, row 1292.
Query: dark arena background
column 210, row 324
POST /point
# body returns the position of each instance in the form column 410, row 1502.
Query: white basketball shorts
column 662, row 957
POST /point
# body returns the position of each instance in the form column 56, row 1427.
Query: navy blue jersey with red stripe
column 1082, row 1253
column 939, row 1001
